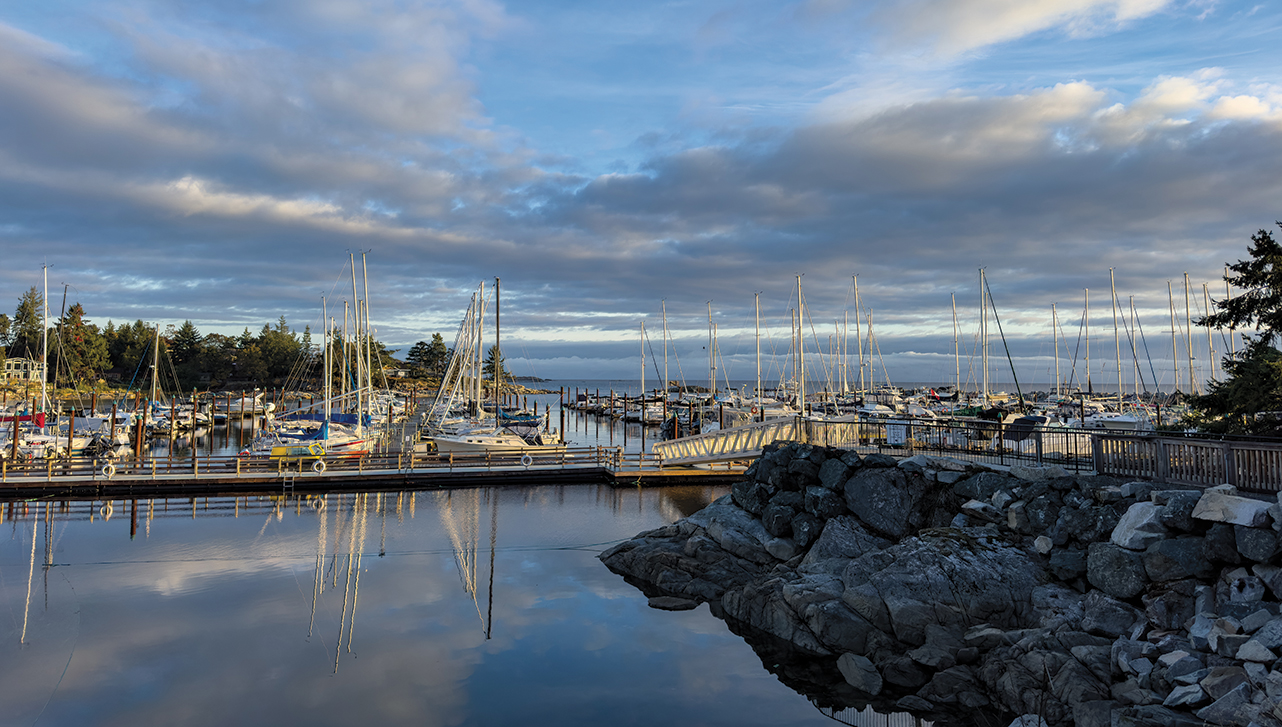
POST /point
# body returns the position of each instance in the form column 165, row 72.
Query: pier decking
column 84, row 476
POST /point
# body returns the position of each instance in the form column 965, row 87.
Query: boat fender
column 526, row 460
column 108, row 470
column 318, row 466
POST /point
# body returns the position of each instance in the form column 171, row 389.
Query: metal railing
column 972, row 440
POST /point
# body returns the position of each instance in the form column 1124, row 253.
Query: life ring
column 754, row 410
column 318, row 466
column 105, row 511
column 108, row 470
column 526, row 460
column 318, row 504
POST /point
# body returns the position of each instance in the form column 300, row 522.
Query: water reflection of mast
column 494, row 529
column 31, row 572
column 351, row 587
column 464, row 542
column 320, row 563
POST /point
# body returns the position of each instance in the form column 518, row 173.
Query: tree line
column 81, row 353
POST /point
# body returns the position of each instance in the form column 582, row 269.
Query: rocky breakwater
column 938, row 587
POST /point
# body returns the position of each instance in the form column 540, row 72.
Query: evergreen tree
column 488, row 370
column 27, row 324
column 6, row 330
column 81, row 351
column 185, row 343
column 1249, row 400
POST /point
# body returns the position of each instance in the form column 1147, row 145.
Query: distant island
column 529, row 378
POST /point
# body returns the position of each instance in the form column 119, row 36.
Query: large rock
column 859, row 672
column 1140, row 527
column 883, row 498
column 1255, row 544
column 824, row 503
column 1174, row 559
column 983, row 485
column 1218, row 506
column 833, row 474
column 1108, row 617
column 843, row 539
column 1115, row 570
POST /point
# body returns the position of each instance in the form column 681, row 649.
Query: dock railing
column 971, row 440
column 1197, row 461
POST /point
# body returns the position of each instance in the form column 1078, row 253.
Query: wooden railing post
column 1097, row 453
column 1163, row 460
column 1230, row 464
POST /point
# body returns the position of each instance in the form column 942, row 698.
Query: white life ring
column 526, row 460
column 105, row 511
column 108, row 470
column 318, row 466
column 318, row 504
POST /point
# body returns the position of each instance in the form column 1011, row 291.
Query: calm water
column 472, row 607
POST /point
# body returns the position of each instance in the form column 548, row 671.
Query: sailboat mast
column 1210, row 345
column 845, row 352
column 1135, row 354
column 1188, row 335
column 642, row 373
column 1055, row 341
column 326, row 375
column 956, row 349
column 801, row 349
column 1117, row 341
column 1175, row 350
column 369, row 340
column 346, row 358
column 712, row 357
column 356, row 350
column 44, row 353
column 155, row 371
column 1086, row 295
column 477, row 369
column 665, row 349
column 498, row 356
column 983, row 336
column 858, row 342
column 757, row 305
column 1228, row 294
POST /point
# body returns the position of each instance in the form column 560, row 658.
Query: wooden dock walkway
column 209, row 475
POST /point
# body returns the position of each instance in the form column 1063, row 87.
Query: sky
column 219, row 162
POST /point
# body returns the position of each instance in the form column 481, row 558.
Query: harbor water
column 462, row 607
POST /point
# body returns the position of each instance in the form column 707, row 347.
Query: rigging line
column 1130, row 340
column 1139, row 325
column 1081, row 326
column 992, row 304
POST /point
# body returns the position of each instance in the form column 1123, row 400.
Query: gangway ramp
column 726, row 444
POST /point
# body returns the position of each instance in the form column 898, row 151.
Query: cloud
column 956, row 26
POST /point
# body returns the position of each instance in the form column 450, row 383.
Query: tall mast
column 44, row 348
column 1210, row 345
column 498, row 355
column 1086, row 294
column 1175, row 351
column 712, row 361
column 858, row 342
column 155, row 372
column 983, row 336
column 1134, row 353
column 665, row 349
column 369, row 340
column 801, row 347
column 326, row 374
column 1227, row 295
column 1117, row 341
column 757, row 322
column 1188, row 335
column 643, row 373
column 845, row 352
column 346, row 358
column 356, row 350
column 1055, row 340
column 478, row 369
column 956, row 349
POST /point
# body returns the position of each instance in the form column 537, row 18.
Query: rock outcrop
column 937, row 586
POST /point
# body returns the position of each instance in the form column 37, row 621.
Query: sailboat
column 498, row 435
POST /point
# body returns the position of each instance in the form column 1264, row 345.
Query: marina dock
column 208, row 474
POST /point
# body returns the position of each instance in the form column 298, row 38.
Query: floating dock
column 231, row 475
